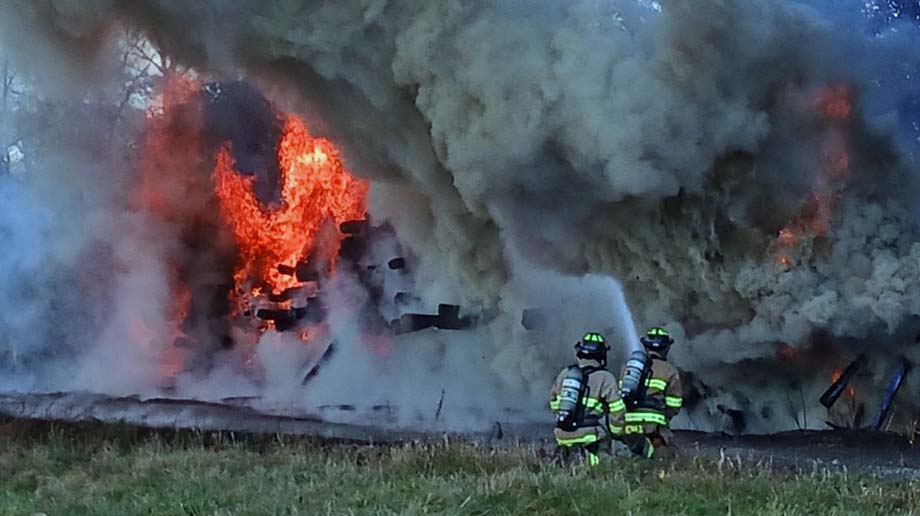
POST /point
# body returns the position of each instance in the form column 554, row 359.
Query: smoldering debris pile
column 257, row 284
column 729, row 162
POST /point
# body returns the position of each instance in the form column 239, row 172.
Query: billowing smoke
column 729, row 162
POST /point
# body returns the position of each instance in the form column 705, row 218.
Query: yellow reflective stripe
column 617, row 406
column 673, row 401
column 585, row 439
column 616, row 430
column 649, row 449
column 646, row 417
column 655, row 383
column 593, row 459
column 592, row 404
column 595, row 405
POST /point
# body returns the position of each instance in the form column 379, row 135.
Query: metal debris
column 832, row 394
column 891, row 392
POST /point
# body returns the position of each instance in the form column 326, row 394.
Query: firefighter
column 586, row 400
column 657, row 397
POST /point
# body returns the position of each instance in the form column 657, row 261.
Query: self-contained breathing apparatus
column 633, row 387
column 635, row 374
column 571, row 413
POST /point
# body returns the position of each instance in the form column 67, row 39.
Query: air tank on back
column 631, row 383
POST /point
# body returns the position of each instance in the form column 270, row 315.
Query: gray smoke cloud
column 77, row 262
column 512, row 141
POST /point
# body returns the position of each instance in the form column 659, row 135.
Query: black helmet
column 657, row 340
column 592, row 347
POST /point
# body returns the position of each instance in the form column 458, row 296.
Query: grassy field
column 94, row 469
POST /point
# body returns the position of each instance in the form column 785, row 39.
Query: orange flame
column 317, row 194
column 851, row 391
column 788, row 352
column 170, row 153
column 834, row 105
column 836, row 101
column 315, row 189
column 182, row 299
column 170, row 156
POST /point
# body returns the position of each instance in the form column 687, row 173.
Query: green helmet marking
column 657, row 332
column 592, row 337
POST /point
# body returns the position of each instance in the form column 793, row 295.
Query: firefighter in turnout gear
column 585, row 398
column 651, row 390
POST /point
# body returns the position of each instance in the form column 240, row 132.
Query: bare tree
column 151, row 63
column 136, row 66
column 34, row 125
column 7, row 77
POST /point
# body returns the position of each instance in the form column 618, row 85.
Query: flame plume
column 834, row 107
column 315, row 189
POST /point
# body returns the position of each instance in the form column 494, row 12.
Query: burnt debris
column 534, row 319
column 832, row 394
column 288, row 318
column 355, row 243
column 891, row 392
column 330, row 351
column 447, row 318
column 397, row 264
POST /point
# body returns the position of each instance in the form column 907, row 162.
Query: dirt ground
column 852, row 450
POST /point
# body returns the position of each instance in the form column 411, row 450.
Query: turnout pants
column 643, row 440
column 585, row 443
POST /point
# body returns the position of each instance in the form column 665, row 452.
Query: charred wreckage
column 241, row 120
column 271, row 223
column 274, row 214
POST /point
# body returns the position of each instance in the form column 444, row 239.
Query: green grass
column 95, row 469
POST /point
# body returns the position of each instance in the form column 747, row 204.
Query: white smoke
column 83, row 298
column 463, row 379
column 514, row 143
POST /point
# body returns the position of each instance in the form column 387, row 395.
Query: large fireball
column 316, row 189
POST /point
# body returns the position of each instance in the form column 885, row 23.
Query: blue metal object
column 894, row 385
